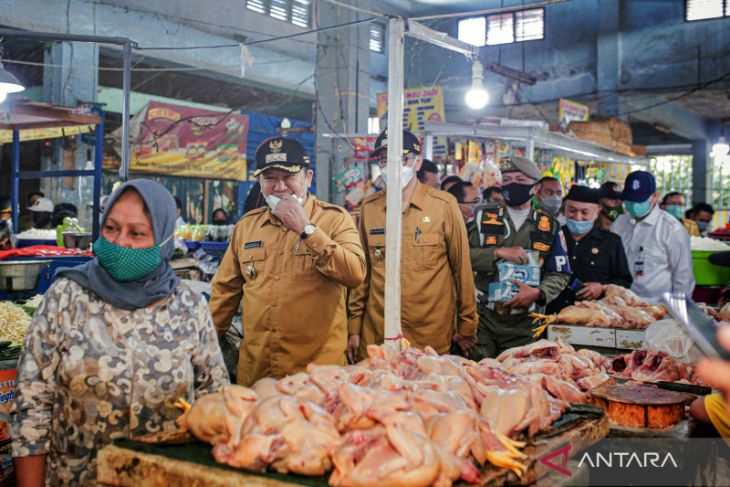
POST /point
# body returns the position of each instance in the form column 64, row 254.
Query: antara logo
column 625, row 459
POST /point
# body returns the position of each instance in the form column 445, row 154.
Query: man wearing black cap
column 429, row 174
column 609, row 197
column 656, row 244
column 597, row 256
column 437, row 283
column 505, row 233
column 289, row 264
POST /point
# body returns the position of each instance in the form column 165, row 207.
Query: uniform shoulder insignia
column 545, row 222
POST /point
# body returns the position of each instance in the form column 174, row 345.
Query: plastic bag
column 230, row 345
column 669, row 336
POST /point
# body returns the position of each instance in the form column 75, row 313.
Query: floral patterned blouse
column 90, row 373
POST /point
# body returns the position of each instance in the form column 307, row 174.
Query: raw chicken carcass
column 563, row 390
column 593, row 381
column 633, row 317
column 589, row 313
column 541, row 349
column 591, row 356
column 505, row 409
column 385, row 456
column 218, row 417
column 627, row 295
column 266, row 387
column 657, row 366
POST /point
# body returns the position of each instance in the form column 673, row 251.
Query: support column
column 701, row 172
column 74, row 83
column 342, row 80
column 608, row 56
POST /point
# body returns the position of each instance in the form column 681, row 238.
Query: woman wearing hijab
column 113, row 344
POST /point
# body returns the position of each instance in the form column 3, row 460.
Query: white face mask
column 406, row 174
column 273, row 200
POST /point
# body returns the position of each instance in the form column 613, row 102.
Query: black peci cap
column 411, row 145
column 281, row 153
column 582, row 194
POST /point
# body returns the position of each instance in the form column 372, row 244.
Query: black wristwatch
column 308, row 231
column 541, row 299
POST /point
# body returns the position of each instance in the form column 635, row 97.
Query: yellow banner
column 209, row 167
column 6, row 136
column 570, row 111
column 420, row 104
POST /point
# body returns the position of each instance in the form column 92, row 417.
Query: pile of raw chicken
column 619, row 308
column 407, row 418
column 651, row 366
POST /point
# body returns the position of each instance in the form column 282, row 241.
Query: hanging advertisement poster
column 419, row 105
column 570, row 111
column 189, row 142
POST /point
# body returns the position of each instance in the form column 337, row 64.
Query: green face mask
column 613, row 212
column 126, row 265
column 676, row 211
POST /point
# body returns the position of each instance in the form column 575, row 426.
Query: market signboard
column 422, row 104
column 6, row 136
column 189, row 142
column 571, row 111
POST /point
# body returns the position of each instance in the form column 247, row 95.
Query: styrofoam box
column 630, row 339
column 583, row 335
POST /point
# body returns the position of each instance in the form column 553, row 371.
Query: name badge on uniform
column 253, row 245
column 377, row 231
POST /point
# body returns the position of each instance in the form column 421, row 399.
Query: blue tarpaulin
column 261, row 127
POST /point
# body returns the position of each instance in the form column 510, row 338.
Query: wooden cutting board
column 641, row 405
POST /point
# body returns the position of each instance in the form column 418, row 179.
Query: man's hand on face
column 291, row 214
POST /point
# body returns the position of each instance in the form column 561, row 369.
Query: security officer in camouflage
column 505, row 232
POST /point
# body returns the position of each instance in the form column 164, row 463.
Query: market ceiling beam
column 148, row 30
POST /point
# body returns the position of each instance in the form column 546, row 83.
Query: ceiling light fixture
column 477, row 97
column 721, row 147
column 8, row 82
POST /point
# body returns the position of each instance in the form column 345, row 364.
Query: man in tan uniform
column 438, row 299
column 291, row 262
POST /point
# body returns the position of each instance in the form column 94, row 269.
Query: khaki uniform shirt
column 293, row 291
column 437, row 284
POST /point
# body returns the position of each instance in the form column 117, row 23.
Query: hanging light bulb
column 8, row 82
column 477, row 97
column 721, row 147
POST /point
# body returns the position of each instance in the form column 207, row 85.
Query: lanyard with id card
column 639, row 264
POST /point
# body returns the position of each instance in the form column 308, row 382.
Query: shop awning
column 540, row 137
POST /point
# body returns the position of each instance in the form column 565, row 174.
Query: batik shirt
column 90, row 373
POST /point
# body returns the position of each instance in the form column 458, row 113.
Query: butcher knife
column 700, row 327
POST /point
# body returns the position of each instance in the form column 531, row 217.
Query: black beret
column 584, row 194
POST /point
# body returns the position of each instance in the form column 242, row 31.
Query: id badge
column 639, row 268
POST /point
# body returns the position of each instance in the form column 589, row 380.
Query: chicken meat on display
column 651, row 366
column 405, row 418
column 619, row 308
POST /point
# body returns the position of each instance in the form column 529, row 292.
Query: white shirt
column 662, row 244
column 180, row 221
column 518, row 217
